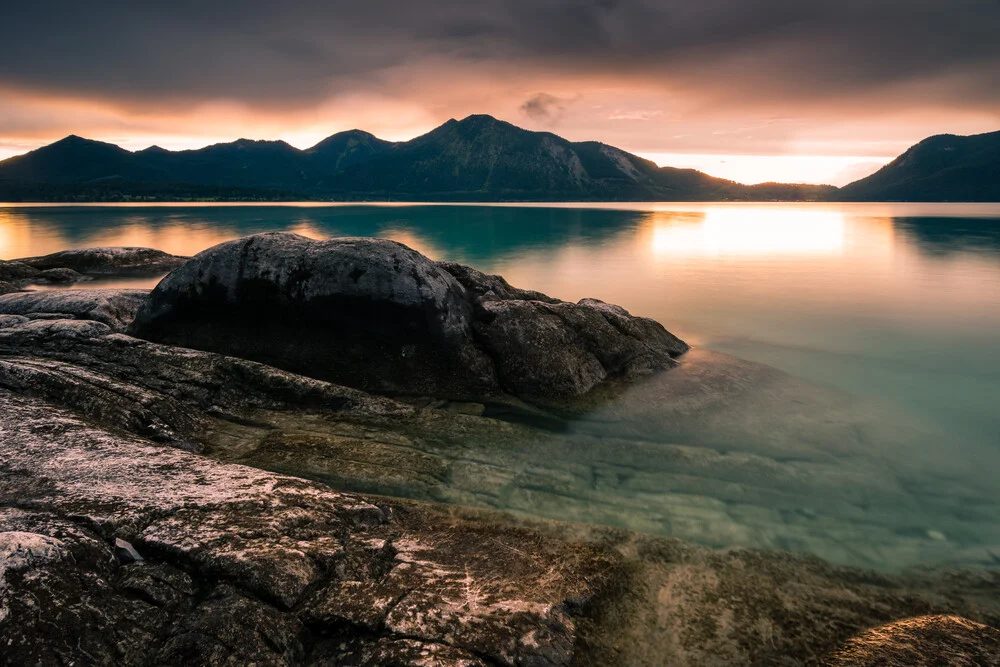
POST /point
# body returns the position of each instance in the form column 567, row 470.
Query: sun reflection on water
column 729, row 231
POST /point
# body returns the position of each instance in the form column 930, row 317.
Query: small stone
column 58, row 277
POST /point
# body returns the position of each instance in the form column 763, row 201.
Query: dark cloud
column 297, row 53
column 544, row 107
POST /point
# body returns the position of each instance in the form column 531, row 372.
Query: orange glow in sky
column 750, row 169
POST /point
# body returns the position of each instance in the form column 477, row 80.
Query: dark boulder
column 370, row 313
column 107, row 261
column 546, row 349
column 375, row 314
column 8, row 288
column 15, row 271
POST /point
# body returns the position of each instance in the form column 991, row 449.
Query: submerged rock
column 106, row 261
column 377, row 315
column 242, row 565
column 922, row 642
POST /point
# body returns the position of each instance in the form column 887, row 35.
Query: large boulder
column 370, row 313
column 374, row 314
column 105, row 261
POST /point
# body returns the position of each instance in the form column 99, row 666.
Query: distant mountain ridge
column 478, row 158
column 944, row 167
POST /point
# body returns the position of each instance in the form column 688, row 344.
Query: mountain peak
column 77, row 140
column 481, row 120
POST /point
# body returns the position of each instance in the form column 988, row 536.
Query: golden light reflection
column 6, row 236
column 309, row 230
column 412, row 240
column 741, row 231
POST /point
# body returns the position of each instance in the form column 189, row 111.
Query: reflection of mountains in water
column 943, row 236
column 469, row 233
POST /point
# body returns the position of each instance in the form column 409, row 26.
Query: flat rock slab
column 777, row 463
column 106, row 261
column 113, row 307
column 245, row 566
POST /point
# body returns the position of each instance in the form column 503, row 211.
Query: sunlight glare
column 732, row 231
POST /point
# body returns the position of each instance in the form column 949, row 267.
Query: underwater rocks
column 237, row 565
column 376, row 315
column 922, row 642
column 120, row 544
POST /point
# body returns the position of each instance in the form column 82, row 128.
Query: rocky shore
column 74, row 266
column 236, row 469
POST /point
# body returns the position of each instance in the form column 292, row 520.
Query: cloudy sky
column 806, row 90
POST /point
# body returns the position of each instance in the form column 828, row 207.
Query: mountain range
column 478, row 158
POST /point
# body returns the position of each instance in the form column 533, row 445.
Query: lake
column 895, row 305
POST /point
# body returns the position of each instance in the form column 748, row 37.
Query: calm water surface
column 896, row 304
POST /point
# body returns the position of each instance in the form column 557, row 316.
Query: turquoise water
column 897, row 305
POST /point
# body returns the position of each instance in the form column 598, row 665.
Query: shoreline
column 94, row 436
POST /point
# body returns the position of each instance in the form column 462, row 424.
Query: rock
column 537, row 354
column 719, row 451
column 114, row 307
column 485, row 286
column 58, row 277
column 247, row 566
column 244, row 565
column 376, row 315
column 126, row 552
column 267, row 555
column 370, row 313
column 14, row 271
column 12, row 320
column 544, row 349
column 8, row 288
column 106, row 261
column 922, row 642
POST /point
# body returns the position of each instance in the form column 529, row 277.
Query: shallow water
column 897, row 305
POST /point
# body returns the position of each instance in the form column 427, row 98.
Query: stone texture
column 106, row 261
column 113, row 307
column 245, row 566
column 14, row 271
column 58, row 277
column 718, row 451
column 922, row 642
column 369, row 313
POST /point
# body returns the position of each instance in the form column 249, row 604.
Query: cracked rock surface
column 241, row 565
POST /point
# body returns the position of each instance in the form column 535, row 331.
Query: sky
column 754, row 90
